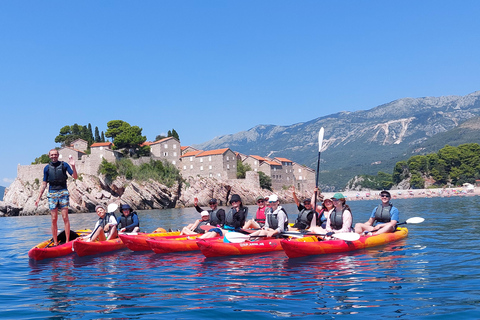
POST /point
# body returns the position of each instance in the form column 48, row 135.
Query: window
column 191, row 166
column 191, row 158
column 300, row 178
column 184, row 167
column 300, row 170
column 210, row 167
column 174, row 162
column 165, row 154
column 174, row 146
column 228, row 166
column 175, row 154
column 201, row 159
column 228, row 158
column 201, row 168
column 209, row 158
column 211, row 175
column 166, row 146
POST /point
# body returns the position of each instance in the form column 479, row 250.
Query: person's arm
column 195, row 225
column 42, row 189
column 295, row 196
column 221, row 216
column 73, row 168
column 347, row 222
column 134, row 223
column 195, row 203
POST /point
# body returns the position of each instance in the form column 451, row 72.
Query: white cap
column 204, row 213
column 273, row 198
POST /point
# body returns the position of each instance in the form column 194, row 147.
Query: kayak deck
column 85, row 248
column 218, row 248
column 138, row 242
column 301, row 247
column 46, row 250
column 175, row 243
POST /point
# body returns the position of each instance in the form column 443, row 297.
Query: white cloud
column 8, row 180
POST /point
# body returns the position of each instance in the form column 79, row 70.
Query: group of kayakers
column 331, row 215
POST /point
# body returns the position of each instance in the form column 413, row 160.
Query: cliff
column 88, row 191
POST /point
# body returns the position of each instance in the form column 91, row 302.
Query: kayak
column 138, row 242
column 218, row 248
column 86, row 248
column 175, row 243
column 301, row 247
column 46, row 250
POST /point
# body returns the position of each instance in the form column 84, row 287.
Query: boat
column 86, row 248
column 175, row 243
column 218, row 248
column 138, row 242
column 311, row 245
column 46, row 250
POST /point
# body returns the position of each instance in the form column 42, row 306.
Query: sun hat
column 125, row 207
column 235, row 197
column 338, row 196
column 213, row 200
column 273, row 198
column 307, row 200
column 100, row 206
column 204, row 213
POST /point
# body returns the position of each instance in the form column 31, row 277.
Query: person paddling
column 384, row 217
column 276, row 220
column 234, row 218
column 128, row 221
column 195, row 228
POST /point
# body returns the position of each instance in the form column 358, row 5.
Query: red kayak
column 218, row 248
column 85, row 248
column 46, row 250
column 174, row 243
column 301, row 247
column 138, row 242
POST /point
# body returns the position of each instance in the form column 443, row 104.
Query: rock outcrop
column 88, row 191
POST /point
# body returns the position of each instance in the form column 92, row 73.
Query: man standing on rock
column 55, row 174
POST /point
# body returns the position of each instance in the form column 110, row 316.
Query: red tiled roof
column 273, row 163
column 163, row 140
column 212, row 152
column 184, row 147
column 259, row 158
column 191, row 153
column 283, row 159
column 101, row 144
column 146, row 143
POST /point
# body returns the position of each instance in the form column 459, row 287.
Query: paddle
column 207, row 228
column 320, row 142
column 237, row 237
column 413, row 220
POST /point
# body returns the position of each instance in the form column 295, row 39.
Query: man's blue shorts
column 58, row 199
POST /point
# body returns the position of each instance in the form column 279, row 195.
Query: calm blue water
column 433, row 274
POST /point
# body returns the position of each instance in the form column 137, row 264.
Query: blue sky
column 209, row 68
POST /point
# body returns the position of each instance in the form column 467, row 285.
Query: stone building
column 219, row 163
column 167, row 149
column 304, row 178
column 79, row 144
column 65, row 152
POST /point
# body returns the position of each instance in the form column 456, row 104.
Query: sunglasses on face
column 384, row 196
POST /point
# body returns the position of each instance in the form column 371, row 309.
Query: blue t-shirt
column 394, row 215
column 56, row 187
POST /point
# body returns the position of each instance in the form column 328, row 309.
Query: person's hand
column 195, row 201
column 329, row 234
column 123, row 229
column 292, row 188
column 71, row 161
column 36, row 202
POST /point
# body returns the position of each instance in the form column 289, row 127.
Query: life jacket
column 128, row 220
column 214, row 220
column 302, row 221
column 57, row 174
column 104, row 221
column 230, row 222
column 336, row 219
column 260, row 216
column 322, row 219
column 202, row 223
column 382, row 215
column 272, row 218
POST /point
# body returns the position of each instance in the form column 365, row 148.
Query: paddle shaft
column 320, row 142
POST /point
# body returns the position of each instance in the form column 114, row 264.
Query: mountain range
column 366, row 141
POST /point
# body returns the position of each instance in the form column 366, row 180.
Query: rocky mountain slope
column 361, row 142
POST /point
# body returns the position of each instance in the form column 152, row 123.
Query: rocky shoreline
column 86, row 193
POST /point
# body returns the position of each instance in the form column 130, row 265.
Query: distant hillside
column 2, row 192
column 364, row 142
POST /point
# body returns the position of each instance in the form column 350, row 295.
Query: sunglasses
column 384, row 196
column 234, row 201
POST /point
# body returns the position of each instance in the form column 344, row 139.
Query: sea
column 434, row 273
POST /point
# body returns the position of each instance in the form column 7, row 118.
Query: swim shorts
column 58, row 199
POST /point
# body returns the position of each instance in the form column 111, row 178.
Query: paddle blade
column 112, row 207
column 415, row 220
column 320, row 139
column 347, row 236
column 236, row 237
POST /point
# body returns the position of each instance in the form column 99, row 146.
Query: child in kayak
column 194, row 228
column 106, row 226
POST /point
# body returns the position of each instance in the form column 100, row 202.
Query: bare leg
column 54, row 214
column 113, row 233
column 66, row 222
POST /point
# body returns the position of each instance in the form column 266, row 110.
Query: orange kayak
column 218, row 248
column 84, row 248
column 301, row 247
column 174, row 243
column 138, row 242
column 45, row 250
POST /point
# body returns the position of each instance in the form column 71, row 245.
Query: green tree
column 400, row 172
column 97, row 135
column 160, row 137
column 416, row 181
column 175, row 134
column 242, row 169
column 125, row 136
column 68, row 134
column 108, row 169
column 265, row 181
column 44, row 158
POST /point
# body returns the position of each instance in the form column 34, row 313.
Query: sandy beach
column 406, row 194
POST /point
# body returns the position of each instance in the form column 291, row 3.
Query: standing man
column 384, row 218
column 55, row 174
